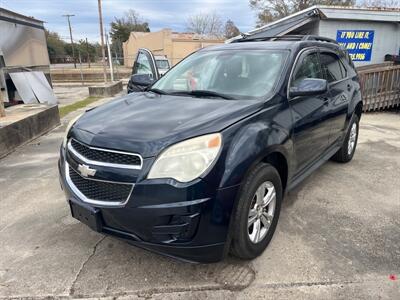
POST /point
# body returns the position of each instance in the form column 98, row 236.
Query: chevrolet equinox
column 196, row 164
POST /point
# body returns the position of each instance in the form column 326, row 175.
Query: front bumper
column 188, row 222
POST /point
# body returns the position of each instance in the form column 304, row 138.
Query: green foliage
column 64, row 110
column 58, row 48
column 55, row 45
column 121, row 28
column 271, row 10
column 93, row 49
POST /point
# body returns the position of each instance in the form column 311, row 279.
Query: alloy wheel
column 352, row 139
column 261, row 212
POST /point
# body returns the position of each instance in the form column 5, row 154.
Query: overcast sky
column 160, row 14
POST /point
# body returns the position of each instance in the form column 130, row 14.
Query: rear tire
column 257, row 212
column 346, row 152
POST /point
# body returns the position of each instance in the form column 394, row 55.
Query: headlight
column 70, row 124
column 187, row 160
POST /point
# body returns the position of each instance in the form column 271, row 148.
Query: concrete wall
column 154, row 41
column 24, row 123
column 182, row 48
column 386, row 36
column 163, row 42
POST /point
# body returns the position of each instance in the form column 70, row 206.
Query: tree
column 55, row 45
column 206, row 24
column 231, row 30
column 121, row 28
column 380, row 3
column 271, row 10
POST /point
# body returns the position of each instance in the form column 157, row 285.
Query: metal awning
column 294, row 21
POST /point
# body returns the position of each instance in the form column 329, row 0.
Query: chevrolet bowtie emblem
column 86, row 170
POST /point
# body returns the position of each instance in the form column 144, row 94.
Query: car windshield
column 162, row 64
column 234, row 74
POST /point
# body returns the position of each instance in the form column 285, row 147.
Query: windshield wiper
column 203, row 93
column 157, row 91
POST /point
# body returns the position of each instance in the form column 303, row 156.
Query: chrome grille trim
column 95, row 202
column 104, row 164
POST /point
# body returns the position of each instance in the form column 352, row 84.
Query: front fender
column 253, row 141
column 356, row 98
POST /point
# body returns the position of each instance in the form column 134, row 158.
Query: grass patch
column 77, row 105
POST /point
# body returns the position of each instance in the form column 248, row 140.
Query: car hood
column 146, row 123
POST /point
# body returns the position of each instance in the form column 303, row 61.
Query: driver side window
column 309, row 68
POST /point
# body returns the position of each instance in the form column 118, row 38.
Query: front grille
column 100, row 190
column 106, row 156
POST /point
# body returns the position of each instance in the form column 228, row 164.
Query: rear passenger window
column 332, row 67
column 343, row 68
column 309, row 68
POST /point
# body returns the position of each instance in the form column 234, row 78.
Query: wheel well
column 358, row 110
column 278, row 160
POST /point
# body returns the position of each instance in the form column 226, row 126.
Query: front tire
column 346, row 152
column 257, row 212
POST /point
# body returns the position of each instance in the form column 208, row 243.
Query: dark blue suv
column 196, row 164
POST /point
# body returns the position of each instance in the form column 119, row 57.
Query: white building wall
column 386, row 36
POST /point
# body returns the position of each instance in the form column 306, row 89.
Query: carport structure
column 332, row 21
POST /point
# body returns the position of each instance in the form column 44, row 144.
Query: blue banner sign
column 357, row 42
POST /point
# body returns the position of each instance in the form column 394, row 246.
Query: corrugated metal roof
column 360, row 14
column 332, row 12
column 16, row 16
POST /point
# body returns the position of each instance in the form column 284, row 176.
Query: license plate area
column 86, row 214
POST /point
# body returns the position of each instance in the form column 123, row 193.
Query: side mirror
column 309, row 87
column 143, row 80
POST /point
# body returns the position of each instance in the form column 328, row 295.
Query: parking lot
column 338, row 236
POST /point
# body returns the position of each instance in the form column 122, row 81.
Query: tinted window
column 142, row 64
column 332, row 67
column 309, row 68
column 162, row 64
column 343, row 69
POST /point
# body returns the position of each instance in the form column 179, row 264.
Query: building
column 175, row 46
column 368, row 34
column 24, row 60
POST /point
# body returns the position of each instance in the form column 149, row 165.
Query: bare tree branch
column 205, row 24
column 271, row 10
column 380, row 3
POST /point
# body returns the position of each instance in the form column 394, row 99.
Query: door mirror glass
column 143, row 80
column 309, row 87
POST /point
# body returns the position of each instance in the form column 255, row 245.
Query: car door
column 309, row 113
column 340, row 89
column 145, row 67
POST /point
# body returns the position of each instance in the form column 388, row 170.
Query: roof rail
column 319, row 38
column 248, row 38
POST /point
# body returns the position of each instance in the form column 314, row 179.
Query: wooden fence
column 380, row 87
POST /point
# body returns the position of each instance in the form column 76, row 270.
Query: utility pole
column 70, row 35
column 103, row 52
column 87, row 51
column 110, row 58
column 80, row 67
